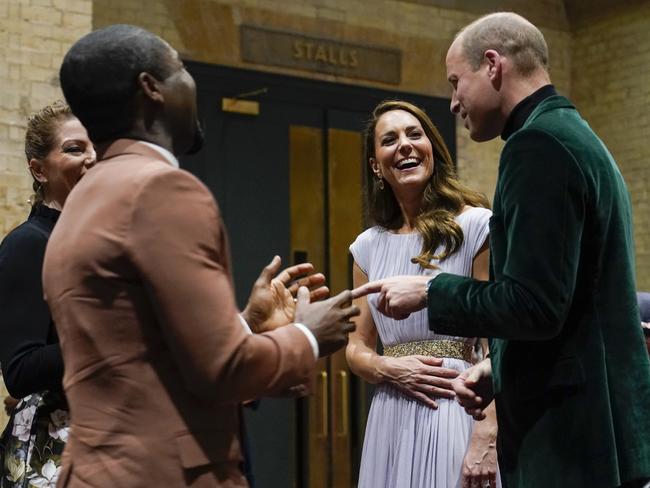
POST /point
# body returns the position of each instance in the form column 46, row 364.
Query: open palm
column 271, row 303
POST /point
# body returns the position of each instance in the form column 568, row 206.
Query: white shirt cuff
column 244, row 324
column 303, row 328
column 310, row 337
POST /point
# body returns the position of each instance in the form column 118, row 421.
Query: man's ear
column 374, row 166
column 36, row 169
column 494, row 63
column 493, row 60
column 150, row 87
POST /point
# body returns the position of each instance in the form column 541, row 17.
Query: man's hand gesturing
column 271, row 303
column 328, row 320
column 399, row 296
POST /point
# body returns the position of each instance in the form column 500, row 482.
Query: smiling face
column 69, row 158
column 403, row 152
column 474, row 98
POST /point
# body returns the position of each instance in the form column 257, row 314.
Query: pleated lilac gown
column 408, row 444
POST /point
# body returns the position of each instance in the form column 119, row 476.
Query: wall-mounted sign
column 238, row 106
column 292, row 50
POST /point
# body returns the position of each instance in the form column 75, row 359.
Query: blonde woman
column 58, row 153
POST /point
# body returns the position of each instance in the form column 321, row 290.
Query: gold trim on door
column 307, row 202
column 329, row 457
column 345, row 223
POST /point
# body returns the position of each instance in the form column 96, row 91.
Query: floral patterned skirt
column 33, row 441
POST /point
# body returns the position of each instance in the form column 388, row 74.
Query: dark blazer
column 571, row 375
column 643, row 299
column 137, row 275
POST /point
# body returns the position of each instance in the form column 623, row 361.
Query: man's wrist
column 244, row 323
column 310, row 337
column 249, row 319
column 244, row 315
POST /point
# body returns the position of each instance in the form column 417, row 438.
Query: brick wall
column 34, row 35
column 611, row 87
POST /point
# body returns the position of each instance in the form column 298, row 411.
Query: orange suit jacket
column 137, row 275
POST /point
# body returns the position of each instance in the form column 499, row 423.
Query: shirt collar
column 167, row 155
column 523, row 109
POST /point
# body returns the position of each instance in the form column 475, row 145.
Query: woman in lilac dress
column 425, row 222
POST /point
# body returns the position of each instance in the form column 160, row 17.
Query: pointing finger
column 365, row 289
column 344, row 297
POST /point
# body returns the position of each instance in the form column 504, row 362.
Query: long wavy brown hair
column 443, row 199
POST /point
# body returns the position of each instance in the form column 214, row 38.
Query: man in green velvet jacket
column 567, row 365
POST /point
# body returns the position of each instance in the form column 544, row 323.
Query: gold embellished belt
column 440, row 349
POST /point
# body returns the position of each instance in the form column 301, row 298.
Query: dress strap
column 437, row 348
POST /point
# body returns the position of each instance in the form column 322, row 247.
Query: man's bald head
column 510, row 35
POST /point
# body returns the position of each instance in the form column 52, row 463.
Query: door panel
column 307, row 193
column 345, row 223
column 307, row 202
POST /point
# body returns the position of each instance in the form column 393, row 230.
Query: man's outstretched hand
column 271, row 303
column 329, row 320
column 473, row 388
column 399, row 296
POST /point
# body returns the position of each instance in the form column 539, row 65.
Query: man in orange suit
column 137, row 274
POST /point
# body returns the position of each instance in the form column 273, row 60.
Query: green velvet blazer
column 570, row 371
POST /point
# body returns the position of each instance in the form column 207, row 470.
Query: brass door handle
column 324, row 403
column 343, row 375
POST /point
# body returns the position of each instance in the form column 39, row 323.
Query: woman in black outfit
column 58, row 153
